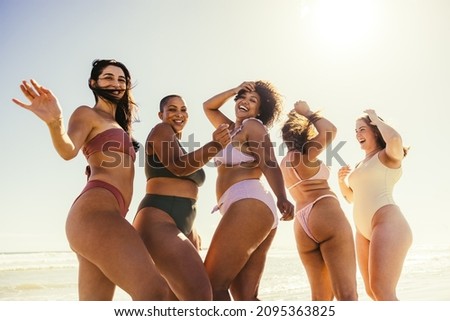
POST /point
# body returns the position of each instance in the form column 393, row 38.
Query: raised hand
column 343, row 172
column 246, row 85
column 222, row 135
column 42, row 101
column 372, row 115
column 302, row 108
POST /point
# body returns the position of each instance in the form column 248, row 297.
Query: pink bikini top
column 231, row 155
column 110, row 140
column 323, row 173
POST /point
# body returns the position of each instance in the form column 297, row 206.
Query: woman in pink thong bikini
column 110, row 251
column 237, row 253
column 322, row 232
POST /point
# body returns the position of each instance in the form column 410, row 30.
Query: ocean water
column 52, row 276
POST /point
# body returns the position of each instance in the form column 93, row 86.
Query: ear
column 160, row 115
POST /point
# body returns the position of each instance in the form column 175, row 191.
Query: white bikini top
column 323, row 173
column 231, row 155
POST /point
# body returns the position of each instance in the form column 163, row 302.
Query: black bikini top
column 154, row 168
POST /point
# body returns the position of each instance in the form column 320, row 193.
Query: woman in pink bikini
column 110, row 252
column 237, row 253
column 322, row 232
column 383, row 236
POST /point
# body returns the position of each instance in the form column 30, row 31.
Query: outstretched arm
column 163, row 142
column 45, row 105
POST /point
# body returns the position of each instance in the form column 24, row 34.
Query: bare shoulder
column 161, row 131
column 254, row 126
column 388, row 161
column 83, row 112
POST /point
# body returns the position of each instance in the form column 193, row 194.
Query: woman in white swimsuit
column 323, row 234
column 237, row 253
column 383, row 236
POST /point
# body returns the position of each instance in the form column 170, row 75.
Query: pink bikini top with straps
column 323, row 173
column 231, row 155
column 110, row 140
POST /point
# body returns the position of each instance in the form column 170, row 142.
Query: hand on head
column 372, row 115
column 246, row 85
column 302, row 108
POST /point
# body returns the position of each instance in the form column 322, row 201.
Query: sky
column 342, row 57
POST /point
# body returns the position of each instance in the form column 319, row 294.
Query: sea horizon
column 52, row 275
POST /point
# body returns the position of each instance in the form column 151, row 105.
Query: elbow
column 67, row 156
column 332, row 131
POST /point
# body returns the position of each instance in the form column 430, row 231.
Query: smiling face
column 175, row 114
column 247, row 105
column 113, row 79
column 365, row 136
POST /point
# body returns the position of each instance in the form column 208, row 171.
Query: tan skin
column 176, row 255
column 380, row 259
column 331, row 263
column 109, row 250
column 237, row 253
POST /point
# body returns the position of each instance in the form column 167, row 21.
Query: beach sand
column 426, row 277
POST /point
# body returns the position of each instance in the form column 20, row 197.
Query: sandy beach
column 53, row 277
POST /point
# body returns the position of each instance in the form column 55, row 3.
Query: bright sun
column 339, row 22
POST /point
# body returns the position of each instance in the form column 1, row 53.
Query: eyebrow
column 111, row 74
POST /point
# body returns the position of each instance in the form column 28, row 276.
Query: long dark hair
column 126, row 110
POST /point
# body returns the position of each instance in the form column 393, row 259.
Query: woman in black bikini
column 167, row 212
column 109, row 250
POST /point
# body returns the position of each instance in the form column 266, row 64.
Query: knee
column 347, row 295
column 383, row 292
column 347, row 292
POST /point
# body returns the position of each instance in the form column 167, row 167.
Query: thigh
column 109, row 242
column 337, row 246
column 362, row 253
column 314, row 264
column 93, row 285
column 246, row 284
column 240, row 231
column 174, row 254
column 391, row 240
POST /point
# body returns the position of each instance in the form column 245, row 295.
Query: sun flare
column 339, row 21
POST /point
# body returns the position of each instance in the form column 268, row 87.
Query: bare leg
column 391, row 240
column 311, row 257
column 99, row 235
column 245, row 285
column 241, row 230
column 332, row 229
column 175, row 256
column 362, row 250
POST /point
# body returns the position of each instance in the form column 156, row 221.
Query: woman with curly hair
column 322, row 232
column 237, row 253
